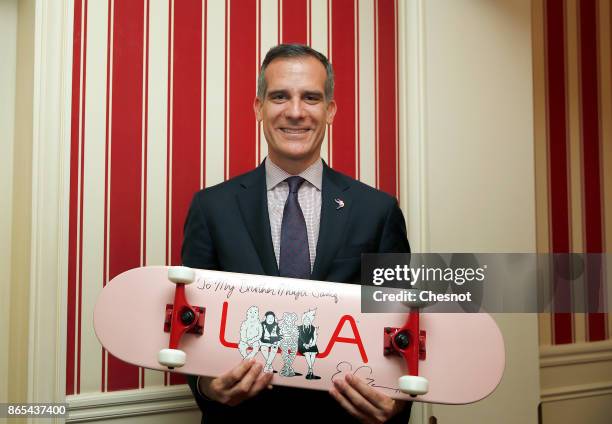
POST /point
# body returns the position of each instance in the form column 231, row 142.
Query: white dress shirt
column 309, row 197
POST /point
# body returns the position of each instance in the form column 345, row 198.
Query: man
column 295, row 217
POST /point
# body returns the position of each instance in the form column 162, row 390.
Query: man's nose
column 295, row 109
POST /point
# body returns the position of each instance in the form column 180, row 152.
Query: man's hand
column 363, row 402
column 240, row 383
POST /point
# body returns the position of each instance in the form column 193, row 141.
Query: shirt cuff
column 199, row 391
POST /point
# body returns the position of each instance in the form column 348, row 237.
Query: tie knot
column 294, row 183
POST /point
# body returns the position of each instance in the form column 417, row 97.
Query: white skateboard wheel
column 413, row 385
column 181, row 275
column 171, row 358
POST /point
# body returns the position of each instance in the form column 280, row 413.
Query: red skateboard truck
column 181, row 318
column 409, row 342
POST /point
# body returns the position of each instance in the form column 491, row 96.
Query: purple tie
column 294, row 259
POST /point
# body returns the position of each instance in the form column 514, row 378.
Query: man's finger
column 355, row 398
column 242, row 387
column 261, row 383
column 343, row 401
column 372, row 395
column 230, row 378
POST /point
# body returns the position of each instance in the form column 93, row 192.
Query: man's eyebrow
column 275, row 92
column 314, row 93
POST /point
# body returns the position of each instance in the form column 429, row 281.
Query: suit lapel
column 253, row 204
column 333, row 220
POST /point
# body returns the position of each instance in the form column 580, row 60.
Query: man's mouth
column 295, row 130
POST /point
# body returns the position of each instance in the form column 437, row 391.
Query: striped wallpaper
column 573, row 51
column 162, row 94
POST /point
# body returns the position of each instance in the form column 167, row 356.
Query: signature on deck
column 364, row 372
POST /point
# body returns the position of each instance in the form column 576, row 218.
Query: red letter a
column 336, row 338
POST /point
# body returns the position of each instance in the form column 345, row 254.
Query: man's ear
column 331, row 111
column 257, row 105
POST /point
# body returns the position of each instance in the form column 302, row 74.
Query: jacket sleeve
column 394, row 238
column 403, row 417
column 198, row 252
column 198, row 249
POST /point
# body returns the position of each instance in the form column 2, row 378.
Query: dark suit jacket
column 228, row 229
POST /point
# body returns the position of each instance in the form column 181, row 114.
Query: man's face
column 294, row 111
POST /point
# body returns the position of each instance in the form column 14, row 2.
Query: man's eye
column 278, row 97
column 312, row 99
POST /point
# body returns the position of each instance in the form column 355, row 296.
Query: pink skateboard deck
column 286, row 323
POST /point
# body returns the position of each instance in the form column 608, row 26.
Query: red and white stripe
column 592, row 226
column 343, row 134
column 92, row 208
column 605, row 89
column 576, row 76
column 366, row 114
column 319, row 28
column 242, row 56
column 268, row 37
column 558, row 160
column 387, row 113
column 76, row 200
column 124, row 188
column 157, row 139
column 162, row 106
column 186, row 152
column 294, row 21
column 215, row 92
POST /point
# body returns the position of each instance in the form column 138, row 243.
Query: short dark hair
column 290, row 51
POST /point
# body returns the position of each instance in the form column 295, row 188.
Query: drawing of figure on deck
column 270, row 338
column 289, row 343
column 250, row 334
column 307, row 342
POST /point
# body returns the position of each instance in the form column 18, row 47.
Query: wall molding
column 412, row 85
column 558, row 360
column 576, row 391
column 577, row 353
column 413, row 133
column 129, row 403
column 9, row 19
column 50, row 182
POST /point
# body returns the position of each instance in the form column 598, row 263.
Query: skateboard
column 306, row 332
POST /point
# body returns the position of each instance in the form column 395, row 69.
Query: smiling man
column 294, row 102
column 293, row 217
